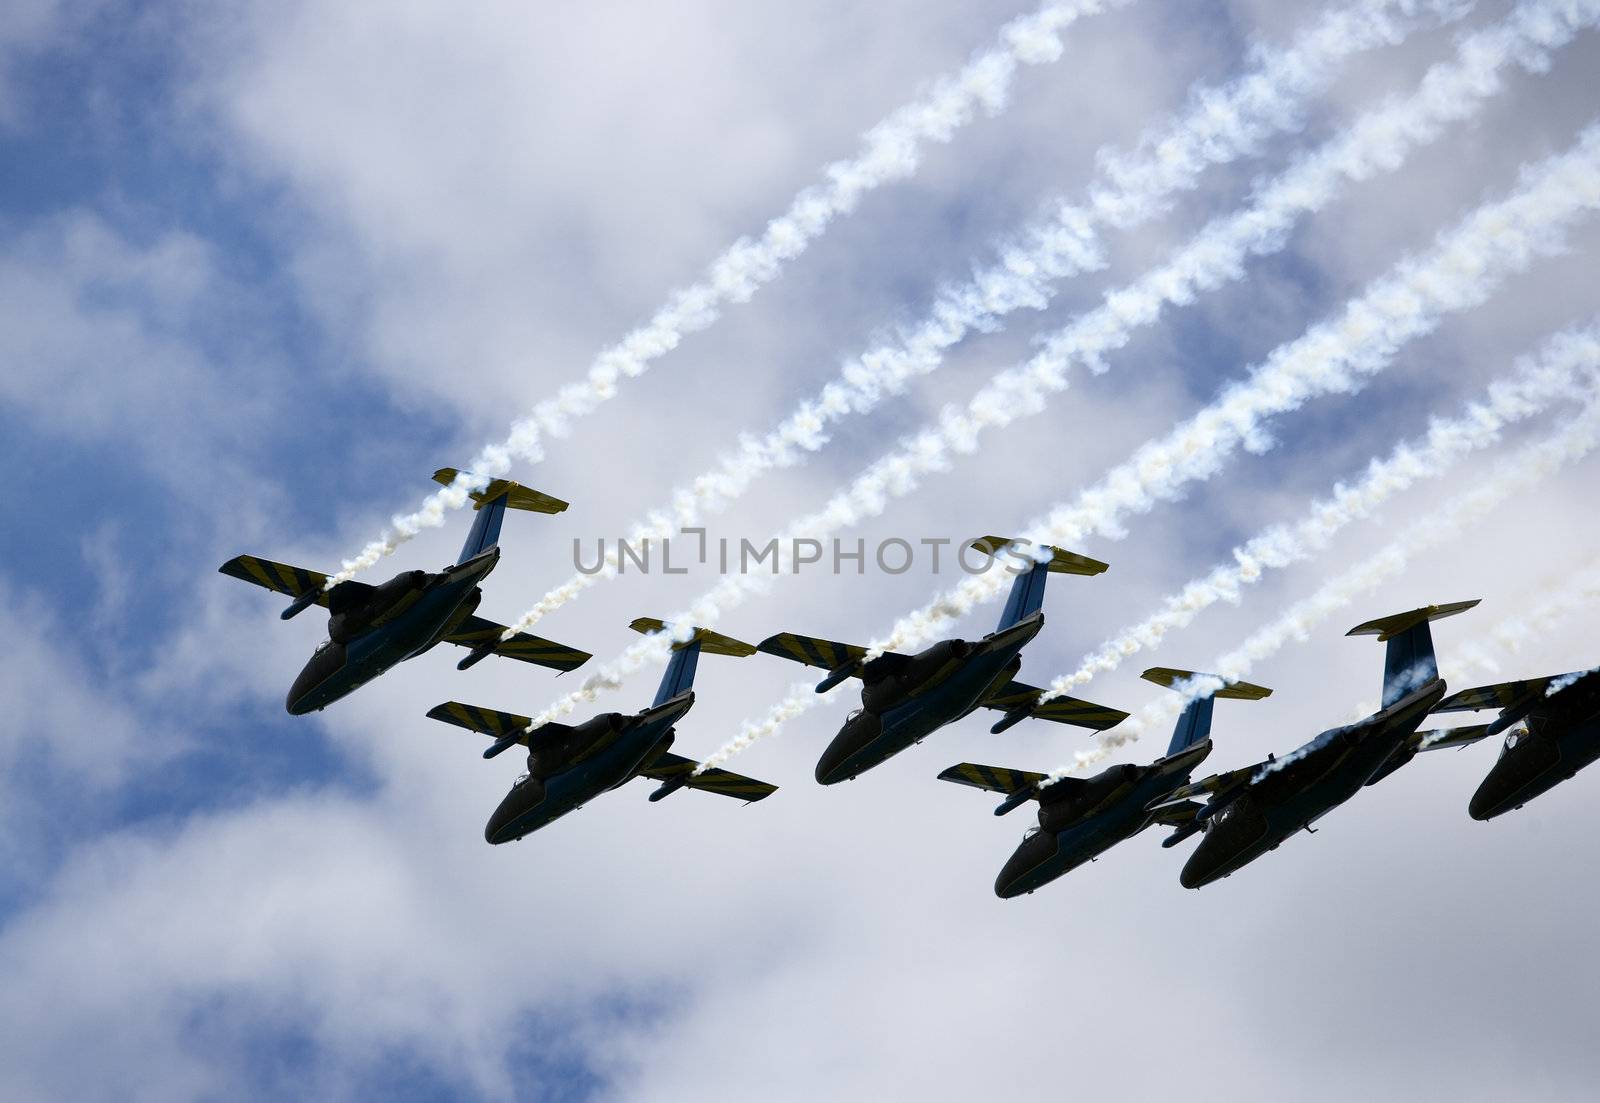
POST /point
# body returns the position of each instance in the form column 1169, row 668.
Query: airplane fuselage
column 534, row 802
column 1114, row 808
column 1282, row 801
column 339, row 667
column 1556, row 740
column 957, row 681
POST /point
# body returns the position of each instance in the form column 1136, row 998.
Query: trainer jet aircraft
column 1082, row 818
column 371, row 628
column 905, row 698
column 1252, row 810
column 1558, row 734
column 570, row 766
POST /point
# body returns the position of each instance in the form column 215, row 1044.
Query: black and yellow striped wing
column 1438, row 739
column 1176, row 815
column 827, row 654
column 1499, row 696
column 476, row 631
column 278, row 577
column 723, row 782
column 994, row 779
column 1017, row 696
column 476, row 718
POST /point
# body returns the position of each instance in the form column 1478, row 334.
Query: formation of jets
column 1551, row 724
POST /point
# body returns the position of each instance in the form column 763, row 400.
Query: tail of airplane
column 1194, row 725
column 491, row 503
column 1027, row 591
column 1409, row 663
column 685, row 656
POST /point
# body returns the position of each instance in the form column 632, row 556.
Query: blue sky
column 267, row 266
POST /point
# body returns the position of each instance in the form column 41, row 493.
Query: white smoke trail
column 1218, row 125
column 1458, row 273
column 890, row 151
column 1538, row 617
column 1462, row 269
column 1554, row 373
column 1566, row 444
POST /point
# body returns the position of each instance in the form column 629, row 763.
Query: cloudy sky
column 267, row 266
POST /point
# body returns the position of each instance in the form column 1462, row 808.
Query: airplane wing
column 1023, row 700
column 1440, row 738
column 827, row 654
column 1214, row 785
column 475, row 632
column 994, row 779
column 500, row 726
column 678, row 772
column 280, row 578
column 1499, row 696
column 1176, row 815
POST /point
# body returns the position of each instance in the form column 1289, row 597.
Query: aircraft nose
column 827, row 772
column 1033, row 851
column 1481, row 806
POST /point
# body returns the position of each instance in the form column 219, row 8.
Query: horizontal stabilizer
column 1061, row 561
column 280, row 578
column 1173, row 678
column 1022, row 700
column 711, row 643
column 676, row 771
column 1502, row 695
column 517, row 496
column 1386, row 628
column 477, row 633
column 993, row 779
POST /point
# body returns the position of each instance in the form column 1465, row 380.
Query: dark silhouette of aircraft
column 1082, row 818
column 1556, row 734
column 905, row 698
column 1254, row 809
column 570, row 766
column 371, row 628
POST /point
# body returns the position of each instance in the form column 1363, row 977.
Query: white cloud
column 503, row 199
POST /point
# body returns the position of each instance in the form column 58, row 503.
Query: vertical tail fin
column 1195, row 723
column 491, row 503
column 1408, row 662
column 679, row 676
column 1027, row 590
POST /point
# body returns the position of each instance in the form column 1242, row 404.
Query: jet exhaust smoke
column 1552, row 375
column 1217, row 125
column 1465, row 265
column 889, row 151
column 1569, row 442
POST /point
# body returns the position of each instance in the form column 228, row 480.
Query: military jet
column 1252, row 810
column 905, row 698
column 570, row 766
column 1082, row 818
column 1556, row 734
column 371, row 628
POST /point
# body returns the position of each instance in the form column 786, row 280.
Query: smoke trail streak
column 1568, row 443
column 1536, row 383
column 890, row 151
column 1217, row 125
column 1460, row 271
column 1464, row 267
column 1510, row 636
